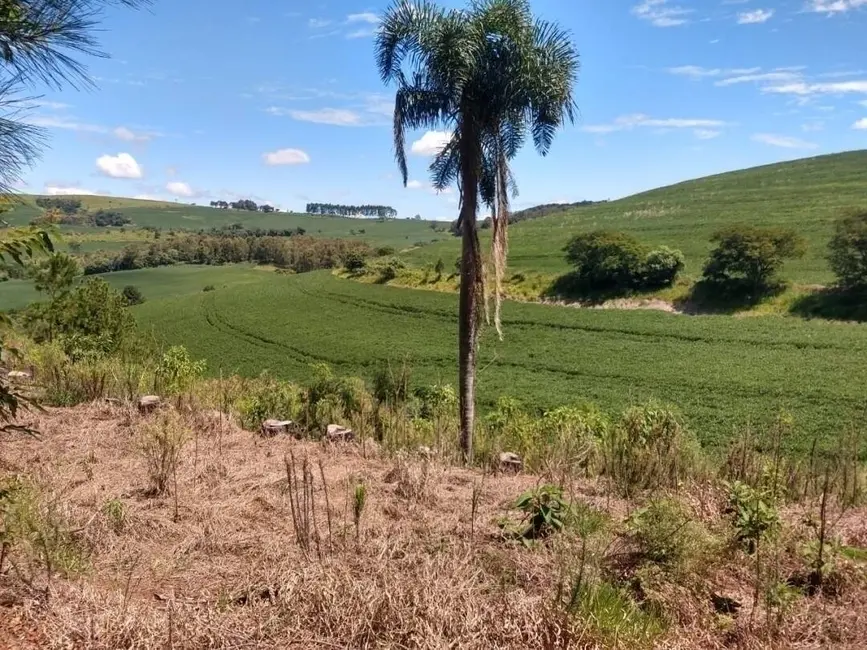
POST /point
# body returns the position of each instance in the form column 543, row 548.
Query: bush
column 847, row 251
column 661, row 267
column 385, row 251
column 268, row 398
column 649, row 448
column 614, row 261
column 133, row 295
column 747, row 260
column 161, row 444
column 209, row 287
column 354, row 262
column 664, row 531
column 606, row 260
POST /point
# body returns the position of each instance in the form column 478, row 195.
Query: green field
column 806, row 195
column 398, row 233
column 723, row 372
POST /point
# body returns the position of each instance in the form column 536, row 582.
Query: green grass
column 722, row 372
column 400, row 233
column 807, row 195
column 178, row 282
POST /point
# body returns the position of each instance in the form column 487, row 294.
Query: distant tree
column 417, row 217
column 747, row 260
column 380, row 211
column 133, row 295
column 354, row 262
column 267, row 209
column 103, row 218
column 65, row 204
column 439, row 268
column 847, row 251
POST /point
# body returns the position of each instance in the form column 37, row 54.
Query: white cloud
column 286, row 157
column 695, row 71
column 362, row 33
column 333, row 116
column 123, row 133
column 431, row 143
column 706, row 134
column 861, row 124
column 57, row 122
column 318, row 23
column 366, row 17
column 803, row 88
column 784, row 141
column 177, row 188
column 778, row 76
column 811, row 127
column 629, row 122
column 63, row 190
column 831, row 7
column 414, row 185
column 148, row 197
column 660, row 14
column 52, row 106
column 755, row 17
column 120, row 166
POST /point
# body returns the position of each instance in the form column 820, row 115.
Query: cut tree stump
column 148, row 404
column 271, row 428
column 510, row 462
column 337, row 433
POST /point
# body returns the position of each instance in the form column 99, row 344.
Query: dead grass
column 225, row 571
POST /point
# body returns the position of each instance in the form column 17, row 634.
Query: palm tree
column 490, row 75
column 38, row 39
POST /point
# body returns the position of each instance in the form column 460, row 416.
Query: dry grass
column 222, row 569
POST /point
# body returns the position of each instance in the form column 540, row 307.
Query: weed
column 358, row 502
column 546, row 511
column 115, row 512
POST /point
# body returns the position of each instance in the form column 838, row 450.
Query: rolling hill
column 398, row 233
column 806, row 195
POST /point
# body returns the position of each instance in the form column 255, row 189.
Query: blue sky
column 280, row 101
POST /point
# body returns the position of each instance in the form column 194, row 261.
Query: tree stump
column 18, row 376
column 148, row 404
column 337, row 433
column 271, row 428
column 510, row 463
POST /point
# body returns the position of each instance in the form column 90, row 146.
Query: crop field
column 806, row 195
column 399, row 233
column 159, row 283
column 724, row 373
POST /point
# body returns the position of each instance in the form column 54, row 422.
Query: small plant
column 177, row 371
column 161, row 444
column 546, row 511
column 115, row 511
column 359, row 500
column 754, row 514
column 209, row 287
column 663, row 530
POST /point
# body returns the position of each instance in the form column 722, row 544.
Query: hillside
column 399, row 233
column 807, row 195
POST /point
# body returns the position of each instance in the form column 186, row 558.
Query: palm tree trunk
column 471, row 286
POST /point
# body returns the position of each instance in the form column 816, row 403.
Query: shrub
column 546, row 511
column 209, row 287
column 354, row 262
column 664, row 531
column 385, row 251
column 649, row 448
column 390, row 269
column 661, row 267
column 177, row 372
column 161, row 444
column 847, row 251
column 606, row 260
column 747, row 260
column 266, row 398
column 133, row 295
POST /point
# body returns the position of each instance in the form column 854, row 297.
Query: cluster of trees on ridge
column 244, row 204
column 66, row 211
column 298, row 253
column 336, row 209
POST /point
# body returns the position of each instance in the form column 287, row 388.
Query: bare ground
column 220, row 566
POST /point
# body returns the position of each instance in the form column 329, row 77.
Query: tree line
column 299, row 253
column 382, row 211
column 244, row 204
